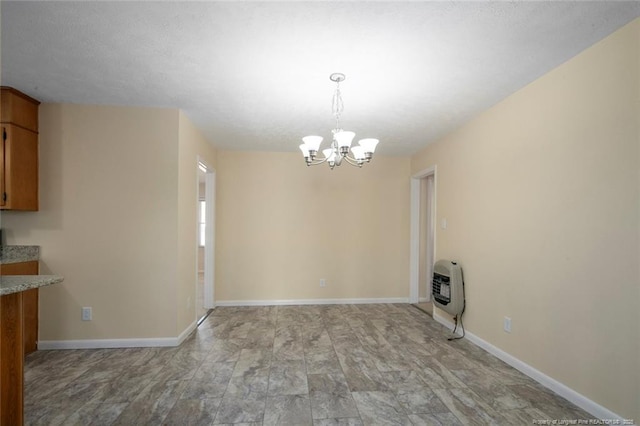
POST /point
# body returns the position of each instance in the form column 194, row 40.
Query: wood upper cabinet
column 19, row 151
column 29, row 303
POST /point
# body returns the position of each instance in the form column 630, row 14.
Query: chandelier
column 340, row 148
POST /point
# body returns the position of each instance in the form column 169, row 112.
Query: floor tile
column 419, row 401
column 287, row 347
column 96, row 414
column 288, row 378
column 468, row 407
column 287, row 410
column 252, row 362
column 322, row 361
column 46, row 415
column 435, row 419
column 196, row 412
column 404, row 381
column 249, row 385
column 380, row 408
column 153, row 404
column 362, row 375
column 241, row 410
column 333, row 383
column 324, row 364
column 326, row 405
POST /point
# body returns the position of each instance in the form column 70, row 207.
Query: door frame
column 210, row 234
column 415, row 227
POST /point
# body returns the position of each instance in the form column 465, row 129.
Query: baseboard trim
column 424, row 299
column 310, row 302
column 564, row 391
column 117, row 343
column 186, row 332
column 106, row 343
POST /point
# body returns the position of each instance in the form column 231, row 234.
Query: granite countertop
column 16, row 283
column 17, row 254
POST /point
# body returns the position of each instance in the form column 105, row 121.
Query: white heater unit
column 447, row 287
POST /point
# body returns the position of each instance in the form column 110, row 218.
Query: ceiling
column 255, row 75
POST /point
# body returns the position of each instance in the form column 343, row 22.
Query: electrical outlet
column 507, row 324
column 87, row 315
column 323, row 282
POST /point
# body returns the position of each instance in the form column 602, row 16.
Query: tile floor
column 291, row 365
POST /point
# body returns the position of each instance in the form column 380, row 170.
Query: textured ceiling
column 255, row 75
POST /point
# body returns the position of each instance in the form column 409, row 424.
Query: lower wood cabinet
column 11, row 360
column 29, row 303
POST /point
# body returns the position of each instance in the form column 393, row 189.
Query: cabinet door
column 20, row 180
column 29, row 303
column 18, row 108
column 3, row 135
column 11, row 360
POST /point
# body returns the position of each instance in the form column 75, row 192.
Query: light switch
column 87, row 315
column 443, row 224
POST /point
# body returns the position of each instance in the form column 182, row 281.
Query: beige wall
column 282, row 226
column 542, row 194
column 192, row 146
column 107, row 221
column 118, row 220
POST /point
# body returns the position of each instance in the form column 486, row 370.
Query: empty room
column 320, row 213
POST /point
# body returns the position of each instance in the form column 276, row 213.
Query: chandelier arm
column 316, row 162
column 353, row 161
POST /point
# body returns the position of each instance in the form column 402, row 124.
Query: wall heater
column 447, row 287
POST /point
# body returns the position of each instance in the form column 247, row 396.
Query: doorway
column 423, row 203
column 205, row 241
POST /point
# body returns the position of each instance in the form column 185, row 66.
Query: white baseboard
column 186, row 332
column 597, row 410
column 424, row 299
column 117, row 343
column 310, row 302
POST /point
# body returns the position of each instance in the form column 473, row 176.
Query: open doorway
column 205, row 241
column 423, row 199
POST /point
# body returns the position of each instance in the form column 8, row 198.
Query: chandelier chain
column 337, row 105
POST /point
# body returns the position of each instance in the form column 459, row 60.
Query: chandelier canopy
column 340, row 147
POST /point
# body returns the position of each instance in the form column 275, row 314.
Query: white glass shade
column 305, row 150
column 312, row 142
column 344, row 138
column 358, row 152
column 368, row 144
